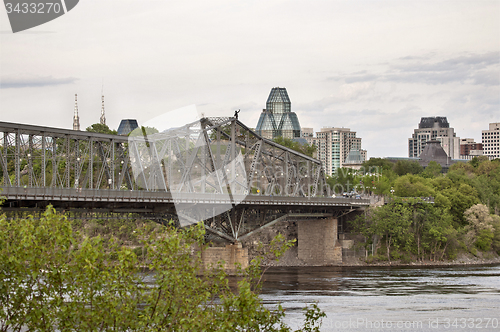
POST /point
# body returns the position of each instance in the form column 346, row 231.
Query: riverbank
column 122, row 230
column 290, row 258
column 463, row 259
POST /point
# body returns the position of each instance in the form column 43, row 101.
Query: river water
column 390, row 299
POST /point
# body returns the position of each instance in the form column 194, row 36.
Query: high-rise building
column 334, row 145
column 434, row 128
column 491, row 141
column 76, row 118
column 277, row 119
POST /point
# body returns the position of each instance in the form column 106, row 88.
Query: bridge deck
column 121, row 198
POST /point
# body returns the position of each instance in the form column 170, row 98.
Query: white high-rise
column 491, row 141
column 334, row 145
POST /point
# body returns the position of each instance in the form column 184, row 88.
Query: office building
column 277, row 119
column 434, row 128
column 491, row 141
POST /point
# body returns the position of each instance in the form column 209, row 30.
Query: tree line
column 463, row 215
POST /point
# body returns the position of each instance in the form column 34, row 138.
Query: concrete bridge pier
column 317, row 242
column 230, row 254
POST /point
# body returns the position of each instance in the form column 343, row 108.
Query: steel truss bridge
column 215, row 169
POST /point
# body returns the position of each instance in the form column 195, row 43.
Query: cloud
column 421, row 57
column 25, row 81
column 475, row 69
column 487, row 77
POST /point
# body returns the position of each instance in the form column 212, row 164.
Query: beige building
column 491, row 141
column 334, row 145
column 307, row 132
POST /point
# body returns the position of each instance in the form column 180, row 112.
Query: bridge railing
column 89, row 195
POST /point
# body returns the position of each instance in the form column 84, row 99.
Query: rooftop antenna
column 76, row 118
column 103, row 117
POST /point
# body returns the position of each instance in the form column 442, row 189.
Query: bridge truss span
column 215, row 170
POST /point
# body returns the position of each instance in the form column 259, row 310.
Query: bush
column 406, row 259
column 395, row 254
column 452, row 253
column 484, row 240
column 139, row 251
column 51, row 281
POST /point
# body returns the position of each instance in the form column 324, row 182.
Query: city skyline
column 376, row 68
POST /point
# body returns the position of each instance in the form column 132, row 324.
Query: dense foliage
column 53, row 279
column 101, row 128
column 144, row 131
column 303, row 148
column 462, row 214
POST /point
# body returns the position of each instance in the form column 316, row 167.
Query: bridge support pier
column 317, row 242
column 230, row 254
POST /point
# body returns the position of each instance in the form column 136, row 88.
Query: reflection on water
column 399, row 299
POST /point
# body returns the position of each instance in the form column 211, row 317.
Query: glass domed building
column 278, row 119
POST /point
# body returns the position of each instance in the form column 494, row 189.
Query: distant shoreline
column 430, row 265
column 463, row 260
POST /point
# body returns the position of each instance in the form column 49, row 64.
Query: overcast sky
column 376, row 67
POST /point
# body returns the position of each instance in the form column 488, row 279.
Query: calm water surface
column 390, row 299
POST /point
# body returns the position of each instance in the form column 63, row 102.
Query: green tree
column 481, row 226
column 403, row 167
column 344, row 180
column 377, row 164
column 144, row 131
column 437, row 233
column 54, row 279
column 412, row 186
column 304, row 148
column 487, row 184
column 391, row 222
column 432, row 170
column 461, row 198
column 476, row 161
column 101, row 128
